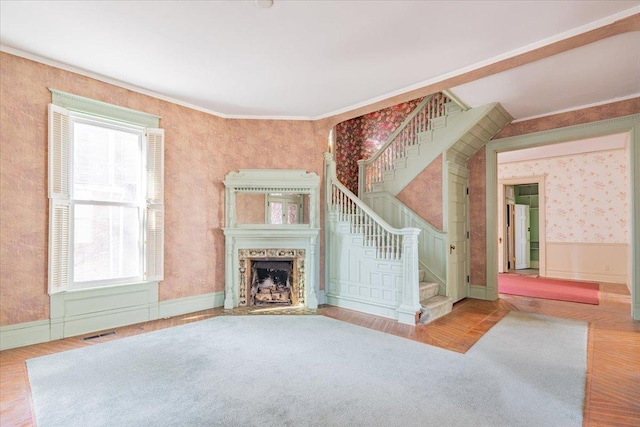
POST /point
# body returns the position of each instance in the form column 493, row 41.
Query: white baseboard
column 178, row 306
column 22, row 334
column 78, row 323
column 364, row 307
column 478, row 292
column 322, row 298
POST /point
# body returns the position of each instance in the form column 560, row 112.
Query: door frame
column 501, row 219
column 448, row 166
column 630, row 124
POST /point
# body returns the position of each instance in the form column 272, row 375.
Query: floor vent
column 92, row 337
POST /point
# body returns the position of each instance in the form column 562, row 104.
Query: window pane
column 292, row 213
column 106, row 163
column 106, row 242
column 276, row 212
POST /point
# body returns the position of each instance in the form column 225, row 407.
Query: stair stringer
column 358, row 279
column 474, row 127
column 431, row 241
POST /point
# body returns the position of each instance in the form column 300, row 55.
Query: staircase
column 449, row 129
column 382, row 257
column 432, row 305
column 370, row 266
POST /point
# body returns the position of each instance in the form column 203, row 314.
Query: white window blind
column 59, row 215
column 154, row 218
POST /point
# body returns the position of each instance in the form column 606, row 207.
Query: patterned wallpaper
column 587, row 195
column 423, row 195
column 347, row 153
column 361, row 137
column 200, row 150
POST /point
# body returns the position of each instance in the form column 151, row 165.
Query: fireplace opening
column 272, row 283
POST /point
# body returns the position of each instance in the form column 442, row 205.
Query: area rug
column 528, row 370
column 541, row 287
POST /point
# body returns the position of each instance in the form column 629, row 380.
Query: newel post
column 410, row 304
column 329, row 174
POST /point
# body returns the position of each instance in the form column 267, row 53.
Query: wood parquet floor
column 612, row 394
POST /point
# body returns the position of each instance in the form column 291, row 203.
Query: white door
column 522, row 235
column 457, row 271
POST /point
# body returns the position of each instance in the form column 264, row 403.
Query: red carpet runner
column 540, row 287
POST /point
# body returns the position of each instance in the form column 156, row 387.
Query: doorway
column 528, row 192
column 588, row 255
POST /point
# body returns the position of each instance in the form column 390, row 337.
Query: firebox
column 271, row 282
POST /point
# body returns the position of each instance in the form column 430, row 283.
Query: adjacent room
column 274, row 212
column 565, row 214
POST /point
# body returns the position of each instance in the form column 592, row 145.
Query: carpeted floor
column 528, row 370
column 542, row 287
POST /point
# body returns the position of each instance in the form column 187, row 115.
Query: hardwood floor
column 613, row 350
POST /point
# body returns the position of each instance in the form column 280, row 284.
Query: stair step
column 421, row 275
column 434, row 308
column 428, row 290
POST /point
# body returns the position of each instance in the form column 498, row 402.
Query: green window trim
column 103, row 109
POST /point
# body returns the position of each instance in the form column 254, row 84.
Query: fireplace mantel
column 240, row 238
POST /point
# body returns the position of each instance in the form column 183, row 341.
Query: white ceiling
column 595, row 73
column 312, row 59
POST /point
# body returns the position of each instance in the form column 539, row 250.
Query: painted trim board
column 39, row 331
column 190, row 304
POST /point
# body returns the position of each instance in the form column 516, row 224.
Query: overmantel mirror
column 271, row 197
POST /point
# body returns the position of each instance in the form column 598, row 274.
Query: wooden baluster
column 366, row 229
column 333, row 197
column 393, row 247
column 386, row 244
column 351, row 210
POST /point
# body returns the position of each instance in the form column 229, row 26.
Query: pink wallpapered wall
column 200, row 150
column 361, row 137
column 423, row 195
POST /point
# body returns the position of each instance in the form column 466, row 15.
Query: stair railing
column 371, row 171
column 391, row 243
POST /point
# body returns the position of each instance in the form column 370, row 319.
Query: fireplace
column 271, row 263
column 270, row 277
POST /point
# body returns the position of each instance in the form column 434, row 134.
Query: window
column 106, row 208
column 284, row 209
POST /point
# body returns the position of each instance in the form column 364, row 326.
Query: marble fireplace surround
column 244, row 242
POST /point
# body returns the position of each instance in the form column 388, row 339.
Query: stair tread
column 428, row 284
column 435, row 301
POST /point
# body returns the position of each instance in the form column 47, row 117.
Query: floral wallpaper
column 587, row 195
column 348, row 152
column 361, row 137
